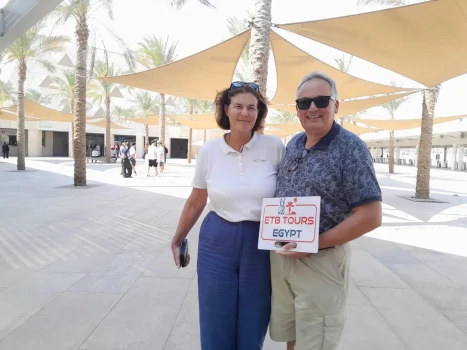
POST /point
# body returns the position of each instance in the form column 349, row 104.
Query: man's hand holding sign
column 290, row 225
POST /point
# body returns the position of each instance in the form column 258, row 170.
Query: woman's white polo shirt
column 236, row 181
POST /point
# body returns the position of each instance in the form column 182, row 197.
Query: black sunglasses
column 239, row 84
column 298, row 160
column 320, row 102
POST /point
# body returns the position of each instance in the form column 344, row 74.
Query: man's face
column 314, row 119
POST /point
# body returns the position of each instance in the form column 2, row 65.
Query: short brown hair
column 224, row 97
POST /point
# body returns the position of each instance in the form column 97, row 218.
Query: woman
column 236, row 172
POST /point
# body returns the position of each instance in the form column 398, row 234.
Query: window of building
column 12, row 140
column 43, row 138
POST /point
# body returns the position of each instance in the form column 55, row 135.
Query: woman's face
column 242, row 112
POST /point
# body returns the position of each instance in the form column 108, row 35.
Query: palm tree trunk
column 391, row 152
column 146, row 129
column 430, row 97
column 260, row 43
column 190, row 139
column 79, row 149
column 190, row 147
column 204, row 137
column 72, row 108
column 20, row 132
column 107, row 129
column 162, row 121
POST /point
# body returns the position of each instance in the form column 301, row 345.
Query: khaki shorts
column 309, row 296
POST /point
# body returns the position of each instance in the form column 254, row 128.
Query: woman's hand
column 175, row 246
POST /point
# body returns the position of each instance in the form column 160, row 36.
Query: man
column 5, row 150
column 152, row 157
column 160, row 157
column 124, row 156
column 310, row 290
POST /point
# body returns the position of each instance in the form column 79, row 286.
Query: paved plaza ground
column 91, row 269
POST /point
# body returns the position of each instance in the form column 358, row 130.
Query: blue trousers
column 234, row 285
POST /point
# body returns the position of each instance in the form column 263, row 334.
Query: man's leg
column 254, row 293
column 320, row 284
column 282, row 326
column 218, row 283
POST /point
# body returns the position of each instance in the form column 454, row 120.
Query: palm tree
column 146, row 104
column 99, row 91
column 154, row 52
column 65, row 86
column 31, row 46
column 260, row 42
column 280, row 117
column 81, row 11
column 195, row 106
column 38, row 97
column 123, row 112
column 430, row 97
column 7, row 93
column 343, row 64
column 422, row 187
column 180, row 3
column 392, row 108
column 244, row 70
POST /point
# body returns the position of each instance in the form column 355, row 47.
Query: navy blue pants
column 234, row 285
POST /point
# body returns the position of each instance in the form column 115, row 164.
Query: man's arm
column 365, row 218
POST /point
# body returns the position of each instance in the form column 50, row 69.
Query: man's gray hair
column 322, row 76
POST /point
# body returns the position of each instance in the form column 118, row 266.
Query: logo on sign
column 290, row 219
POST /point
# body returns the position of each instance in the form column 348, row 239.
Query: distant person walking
column 152, row 158
column 160, row 158
column 5, row 150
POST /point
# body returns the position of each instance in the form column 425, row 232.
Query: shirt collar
column 326, row 140
column 226, row 149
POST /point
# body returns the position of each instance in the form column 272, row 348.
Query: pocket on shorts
column 333, row 327
column 339, row 256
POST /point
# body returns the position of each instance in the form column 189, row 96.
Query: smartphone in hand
column 184, row 253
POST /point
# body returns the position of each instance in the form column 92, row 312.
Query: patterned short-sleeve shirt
column 339, row 169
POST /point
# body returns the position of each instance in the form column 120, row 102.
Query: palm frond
column 156, row 51
column 178, row 4
column 49, row 66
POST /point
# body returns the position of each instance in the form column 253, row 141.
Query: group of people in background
column 155, row 157
column 127, row 156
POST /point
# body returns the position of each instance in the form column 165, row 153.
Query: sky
column 196, row 28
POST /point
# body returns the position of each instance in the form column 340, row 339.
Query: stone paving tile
column 144, row 317
column 459, row 318
column 29, row 295
column 366, row 329
column 410, row 316
column 64, row 324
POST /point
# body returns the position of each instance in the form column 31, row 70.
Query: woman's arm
column 192, row 210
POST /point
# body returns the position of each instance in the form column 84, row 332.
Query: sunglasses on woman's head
column 239, row 84
column 320, row 102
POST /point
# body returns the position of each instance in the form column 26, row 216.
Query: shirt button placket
column 240, row 164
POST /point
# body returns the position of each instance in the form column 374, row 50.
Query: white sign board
column 45, row 126
column 291, row 219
